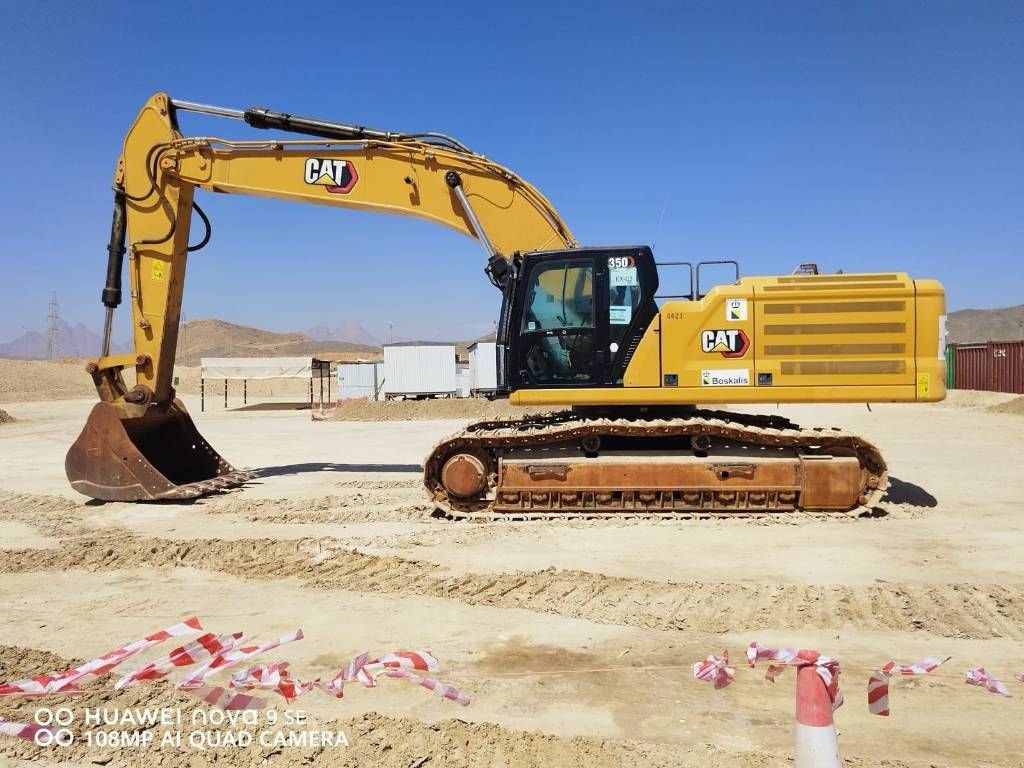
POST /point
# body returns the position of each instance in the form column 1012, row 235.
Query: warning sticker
column 158, row 270
column 623, row 276
column 725, row 378
column 923, row 384
column 620, row 314
column 736, row 310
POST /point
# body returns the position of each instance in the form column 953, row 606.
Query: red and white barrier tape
column 230, row 657
column 223, row 698
column 978, row 676
column 69, row 680
column 203, row 647
column 826, row 666
column 272, row 677
column 26, row 731
column 443, row 690
column 220, row 653
column 878, row 683
column 715, row 669
column 400, row 664
column 195, row 685
column 350, row 672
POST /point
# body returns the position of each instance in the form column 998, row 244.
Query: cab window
column 624, row 297
column 557, row 335
column 561, row 295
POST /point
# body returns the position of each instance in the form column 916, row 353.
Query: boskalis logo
column 733, row 377
column 732, row 342
column 338, row 176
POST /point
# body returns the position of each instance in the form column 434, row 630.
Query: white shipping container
column 462, row 380
column 423, row 368
column 360, row 380
column 483, row 367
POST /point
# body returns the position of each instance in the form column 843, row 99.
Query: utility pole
column 53, row 329
column 183, row 339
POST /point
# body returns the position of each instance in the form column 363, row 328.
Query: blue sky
column 860, row 135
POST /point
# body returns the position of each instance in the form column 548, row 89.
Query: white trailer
column 419, row 369
column 483, row 368
column 362, row 380
column 462, row 380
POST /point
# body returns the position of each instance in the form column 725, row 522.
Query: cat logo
column 731, row 343
column 338, row 176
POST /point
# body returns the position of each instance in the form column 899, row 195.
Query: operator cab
column 574, row 318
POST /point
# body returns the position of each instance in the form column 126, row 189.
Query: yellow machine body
column 805, row 339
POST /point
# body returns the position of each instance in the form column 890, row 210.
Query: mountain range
column 218, row 338
column 72, row 341
column 980, row 325
column 350, row 331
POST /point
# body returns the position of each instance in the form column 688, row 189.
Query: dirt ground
column 574, row 639
column 35, row 380
column 418, row 410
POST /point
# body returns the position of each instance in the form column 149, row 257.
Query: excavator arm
column 139, row 442
column 429, row 176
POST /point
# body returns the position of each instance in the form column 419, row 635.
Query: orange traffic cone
column 817, row 744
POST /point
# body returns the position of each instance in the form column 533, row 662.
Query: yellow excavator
column 579, row 326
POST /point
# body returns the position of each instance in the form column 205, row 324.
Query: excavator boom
column 140, row 443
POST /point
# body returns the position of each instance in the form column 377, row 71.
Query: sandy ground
column 574, row 639
column 35, row 380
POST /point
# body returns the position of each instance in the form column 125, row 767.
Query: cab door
column 579, row 315
column 558, row 328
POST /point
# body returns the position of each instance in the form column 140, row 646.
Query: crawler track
column 740, row 438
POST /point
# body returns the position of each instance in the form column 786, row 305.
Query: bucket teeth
column 123, row 456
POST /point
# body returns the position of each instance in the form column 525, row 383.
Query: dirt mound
column 1014, row 407
column 417, row 410
column 5, row 417
column 973, row 398
column 52, row 515
column 32, row 380
column 950, row 610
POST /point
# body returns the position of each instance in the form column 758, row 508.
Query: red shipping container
column 997, row 366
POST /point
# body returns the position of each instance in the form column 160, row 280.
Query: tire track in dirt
column 378, row 740
column 978, row 611
column 51, row 515
column 370, row 501
column 365, row 506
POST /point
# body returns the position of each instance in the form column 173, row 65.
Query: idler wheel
column 464, row 475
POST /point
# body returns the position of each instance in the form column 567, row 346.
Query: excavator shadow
column 318, row 466
column 902, row 492
column 300, row 405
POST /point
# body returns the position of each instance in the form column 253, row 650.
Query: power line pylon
column 53, row 329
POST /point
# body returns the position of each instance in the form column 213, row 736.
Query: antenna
column 52, row 329
column 661, row 218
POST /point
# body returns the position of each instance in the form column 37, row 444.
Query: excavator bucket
column 157, row 455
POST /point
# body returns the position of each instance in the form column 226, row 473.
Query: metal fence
column 997, row 366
